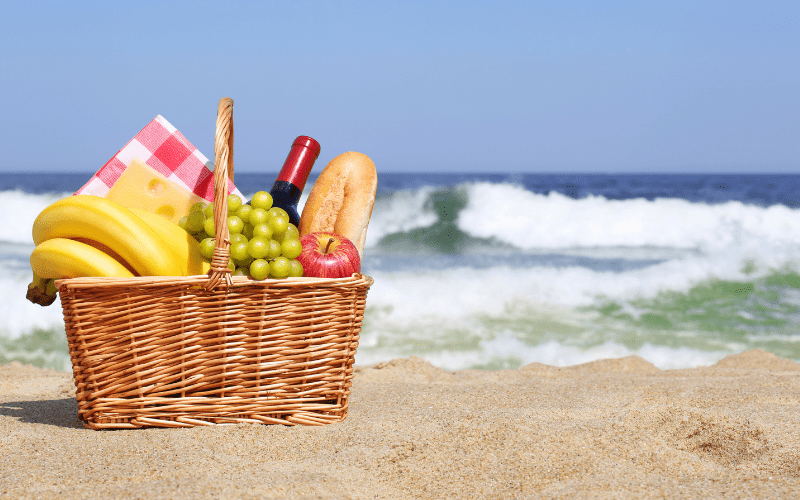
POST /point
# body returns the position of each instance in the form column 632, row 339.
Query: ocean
column 495, row 271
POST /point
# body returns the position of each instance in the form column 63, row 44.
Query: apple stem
column 330, row 240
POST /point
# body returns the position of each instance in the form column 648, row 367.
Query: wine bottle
column 293, row 176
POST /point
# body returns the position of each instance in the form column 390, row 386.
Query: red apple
column 328, row 255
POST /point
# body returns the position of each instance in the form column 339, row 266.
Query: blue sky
column 501, row 86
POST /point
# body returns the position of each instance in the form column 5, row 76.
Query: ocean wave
column 675, row 314
column 459, row 292
column 461, row 217
column 400, row 212
column 485, row 224
column 513, row 215
column 492, row 275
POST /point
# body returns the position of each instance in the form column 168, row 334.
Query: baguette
column 342, row 199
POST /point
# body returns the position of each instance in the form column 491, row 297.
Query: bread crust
column 342, row 199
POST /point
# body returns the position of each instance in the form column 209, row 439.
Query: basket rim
column 202, row 279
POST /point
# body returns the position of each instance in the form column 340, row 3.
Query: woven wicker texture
column 187, row 351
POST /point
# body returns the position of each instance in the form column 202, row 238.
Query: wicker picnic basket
column 218, row 349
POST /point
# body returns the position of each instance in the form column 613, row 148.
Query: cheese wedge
column 141, row 186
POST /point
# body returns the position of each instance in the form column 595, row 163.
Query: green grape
column 208, row 226
column 258, row 216
column 259, row 269
column 200, row 235
column 235, row 224
column 278, row 212
column 279, row 225
column 295, row 268
column 234, row 203
column 263, row 230
column 247, row 230
column 231, row 265
column 208, row 211
column 244, row 212
column 291, row 248
column 239, row 251
column 207, row 247
column 274, row 250
column 195, row 221
column 241, row 271
column 244, row 262
column 197, row 207
column 279, row 268
column 182, row 222
column 262, row 199
column 291, row 233
column 239, row 237
column 258, row 248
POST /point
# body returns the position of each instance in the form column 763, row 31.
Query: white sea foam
column 460, row 292
column 527, row 220
column 508, row 351
column 555, row 353
column 19, row 316
column 429, row 309
column 19, row 211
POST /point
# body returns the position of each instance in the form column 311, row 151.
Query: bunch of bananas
column 91, row 236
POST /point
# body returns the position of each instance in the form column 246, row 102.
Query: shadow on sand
column 58, row 412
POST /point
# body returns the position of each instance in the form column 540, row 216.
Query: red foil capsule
column 305, row 151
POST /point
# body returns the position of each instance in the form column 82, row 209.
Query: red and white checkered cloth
column 164, row 148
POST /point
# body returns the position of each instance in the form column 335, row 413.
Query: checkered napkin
column 164, row 148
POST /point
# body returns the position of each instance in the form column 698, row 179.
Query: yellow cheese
column 140, row 186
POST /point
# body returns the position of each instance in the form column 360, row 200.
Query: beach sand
column 615, row 428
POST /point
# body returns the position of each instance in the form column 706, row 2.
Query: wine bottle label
column 297, row 166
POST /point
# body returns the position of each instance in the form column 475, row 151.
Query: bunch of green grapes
column 264, row 244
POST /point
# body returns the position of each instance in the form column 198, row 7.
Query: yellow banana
column 65, row 258
column 186, row 248
column 110, row 224
column 111, row 253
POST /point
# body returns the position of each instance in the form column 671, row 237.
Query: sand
column 616, row 428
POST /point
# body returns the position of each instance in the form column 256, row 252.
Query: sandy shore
column 617, row 428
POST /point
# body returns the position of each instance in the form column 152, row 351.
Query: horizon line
column 464, row 172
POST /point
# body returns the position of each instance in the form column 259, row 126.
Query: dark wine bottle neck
column 285, row 192
column 285, row 195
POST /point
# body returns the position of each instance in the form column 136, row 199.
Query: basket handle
column 223, row 170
